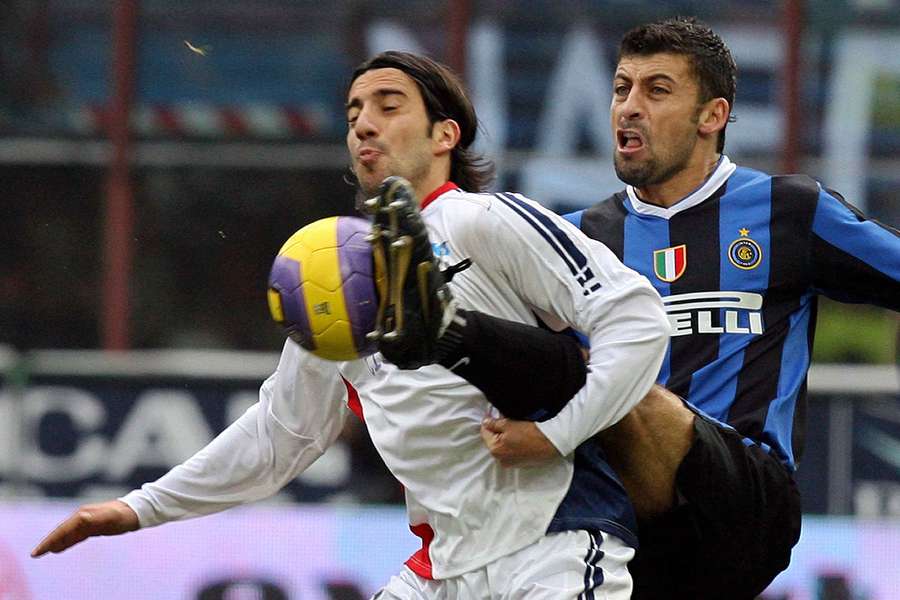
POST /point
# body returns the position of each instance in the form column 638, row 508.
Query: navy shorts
column 736, row 519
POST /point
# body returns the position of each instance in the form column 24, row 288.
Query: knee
column 659, row 402
column 646, row 449
column 661, row 426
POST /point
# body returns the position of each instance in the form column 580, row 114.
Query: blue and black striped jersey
column 739, row 264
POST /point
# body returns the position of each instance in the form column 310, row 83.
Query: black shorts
column 737, row 516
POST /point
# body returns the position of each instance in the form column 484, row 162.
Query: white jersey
column 425, row 423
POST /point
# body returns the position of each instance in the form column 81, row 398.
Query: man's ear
column 445, row 135
column 713, row 116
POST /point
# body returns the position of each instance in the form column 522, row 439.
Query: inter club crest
column 669, row 263
column 744, row 253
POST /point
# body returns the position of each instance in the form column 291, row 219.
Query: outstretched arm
column 300, row 413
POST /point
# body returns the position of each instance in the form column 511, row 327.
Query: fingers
column 71, row 531
column 494, row 425
column 489, row 436
column 493, row 434
column 107, row 518
column 516, row 443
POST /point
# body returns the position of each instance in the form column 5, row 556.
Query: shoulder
column 788, row 194
column 781, row 186
column 461, row 199
column 501, row 220
column 605, row 221
column 457, row 209
column 522, row 216
column 795, row 200
column 794, row 185
column 482, row 211
column 609, row 208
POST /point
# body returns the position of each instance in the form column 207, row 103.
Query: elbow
column 663, row 326
column 655, row 327
column 649, row 310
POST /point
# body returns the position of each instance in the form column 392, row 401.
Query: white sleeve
column 628, row 344
column 558, row 270
column 301, row 411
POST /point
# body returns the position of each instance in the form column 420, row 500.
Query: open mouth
column 629, row 141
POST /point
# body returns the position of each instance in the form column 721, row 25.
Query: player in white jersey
column 488, row 531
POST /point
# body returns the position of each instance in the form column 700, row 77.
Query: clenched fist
column 517, row 443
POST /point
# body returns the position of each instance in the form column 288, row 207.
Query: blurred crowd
column 206, row 229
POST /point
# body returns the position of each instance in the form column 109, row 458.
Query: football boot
column 415, row 304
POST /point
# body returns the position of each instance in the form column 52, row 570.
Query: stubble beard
column 370, row 179
column 367, row 182
column 653, row 171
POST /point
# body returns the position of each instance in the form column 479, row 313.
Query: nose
column 365, row 126
column 632, row 107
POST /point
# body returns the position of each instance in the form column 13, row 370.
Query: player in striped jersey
column 487, row 531
column 739, row 258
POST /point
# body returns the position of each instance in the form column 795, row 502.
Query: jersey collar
column 438, row 192
column 718, row 177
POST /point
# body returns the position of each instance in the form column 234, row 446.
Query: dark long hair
column 709, row 56
column 445, row 98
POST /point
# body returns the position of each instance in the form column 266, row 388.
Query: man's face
column 654, row 113
column 388, row 129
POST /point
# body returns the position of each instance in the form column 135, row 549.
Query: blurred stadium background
column 154, row 155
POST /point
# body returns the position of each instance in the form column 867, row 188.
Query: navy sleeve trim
column 557, row 239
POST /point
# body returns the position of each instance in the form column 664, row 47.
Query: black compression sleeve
column 525, row 371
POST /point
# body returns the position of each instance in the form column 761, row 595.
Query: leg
column 414, row 305
column 526, row 372
column 523, row 370
column 731, row 532
column 646, row 447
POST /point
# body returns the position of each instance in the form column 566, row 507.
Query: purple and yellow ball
column 322, row 288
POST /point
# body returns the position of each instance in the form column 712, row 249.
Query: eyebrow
column 653, row 77
column 382, row 93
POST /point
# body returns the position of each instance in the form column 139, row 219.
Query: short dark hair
column 445, row 98
column 709, row 56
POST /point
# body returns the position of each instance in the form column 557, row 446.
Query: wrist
column 555, row 435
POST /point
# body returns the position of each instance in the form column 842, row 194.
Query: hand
column 106, row 518
column 517, row 443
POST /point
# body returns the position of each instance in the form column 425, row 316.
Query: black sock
column 525, row 371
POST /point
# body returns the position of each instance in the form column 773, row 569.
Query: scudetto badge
column 669, row 263
column 745, row 253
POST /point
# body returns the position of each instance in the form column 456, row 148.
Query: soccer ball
column 322, row 288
